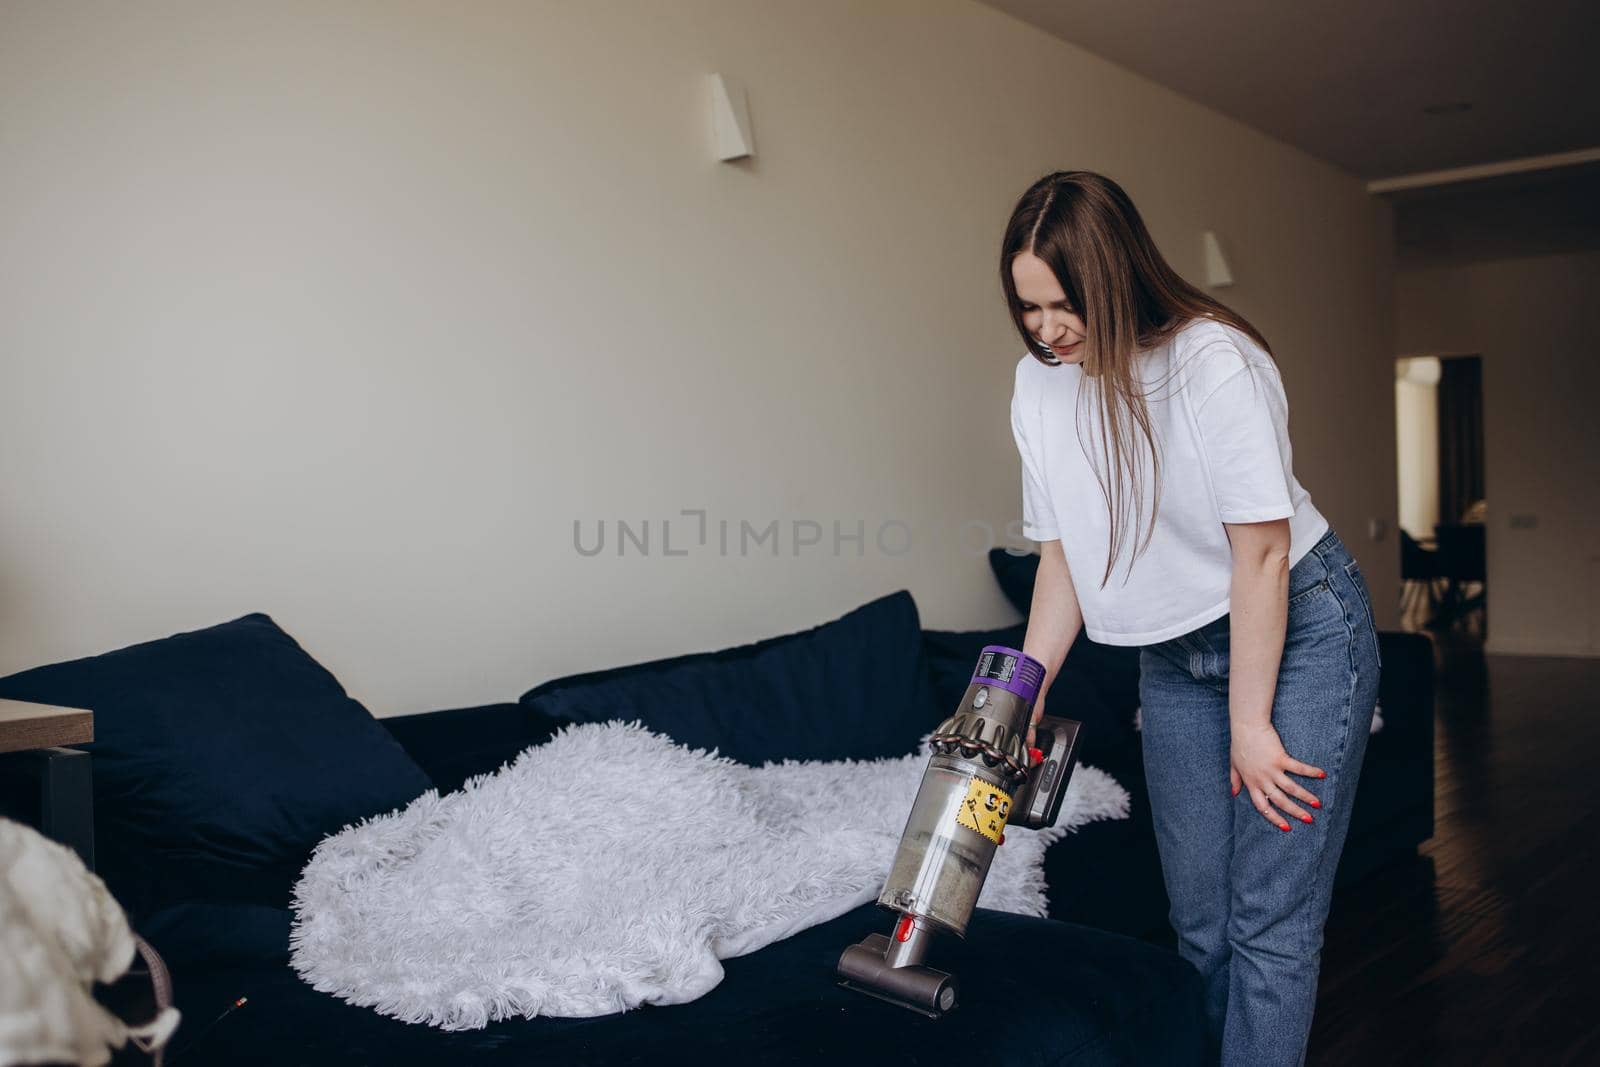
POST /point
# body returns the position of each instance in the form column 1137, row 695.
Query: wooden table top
column 24, row 726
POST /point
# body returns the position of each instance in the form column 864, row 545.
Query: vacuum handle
column 1039, row 801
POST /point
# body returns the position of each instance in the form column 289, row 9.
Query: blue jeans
column 1248, row 900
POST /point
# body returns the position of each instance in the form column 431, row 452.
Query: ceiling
column 1544, row 213
column 1349, row 82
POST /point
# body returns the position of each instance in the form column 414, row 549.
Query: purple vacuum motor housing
column 1006, row 668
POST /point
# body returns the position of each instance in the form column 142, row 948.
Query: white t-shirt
column 1221, row 423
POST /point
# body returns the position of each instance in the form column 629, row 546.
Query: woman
column 1144, row 407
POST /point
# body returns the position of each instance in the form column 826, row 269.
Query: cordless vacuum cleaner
column 980, row 779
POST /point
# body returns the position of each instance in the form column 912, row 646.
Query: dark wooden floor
column 1486, row 949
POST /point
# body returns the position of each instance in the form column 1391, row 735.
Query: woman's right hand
column 1033, row 721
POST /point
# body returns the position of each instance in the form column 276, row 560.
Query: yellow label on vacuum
column 985, row 809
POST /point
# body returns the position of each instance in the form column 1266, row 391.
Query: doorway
column 1443, row 502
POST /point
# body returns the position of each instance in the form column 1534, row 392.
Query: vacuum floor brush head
column 862, row 967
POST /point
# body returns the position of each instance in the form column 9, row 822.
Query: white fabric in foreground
column 612, row 867
column 60, row 933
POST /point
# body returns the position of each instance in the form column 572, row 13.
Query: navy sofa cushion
column 854, row 688
column 1034, row 991
column 1107, row 874
column 221, row 757
column 460, row 743
column 198, row 934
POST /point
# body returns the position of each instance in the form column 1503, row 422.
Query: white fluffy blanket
column 611, row 867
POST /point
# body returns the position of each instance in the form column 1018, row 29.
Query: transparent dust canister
column 939, row 869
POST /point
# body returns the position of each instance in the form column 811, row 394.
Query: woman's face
column 1045, row 311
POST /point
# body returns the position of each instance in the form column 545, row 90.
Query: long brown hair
column 1086, row 229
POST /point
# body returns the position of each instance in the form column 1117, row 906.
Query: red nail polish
column 1322, row 774
column 1284, row 827
column 1316, row 803
column 1306, row 819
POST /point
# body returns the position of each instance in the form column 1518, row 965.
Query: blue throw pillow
column 854, row 688
column 221, row 757
column 1016, row 575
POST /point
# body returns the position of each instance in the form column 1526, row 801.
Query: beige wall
column 1533, row 322
column 345, row 312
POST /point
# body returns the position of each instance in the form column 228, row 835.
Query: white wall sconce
column 1218, row 275
column 730, row 119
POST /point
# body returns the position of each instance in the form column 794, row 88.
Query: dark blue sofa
column 223, row 755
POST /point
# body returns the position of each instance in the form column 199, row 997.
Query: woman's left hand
column 1258, row 760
